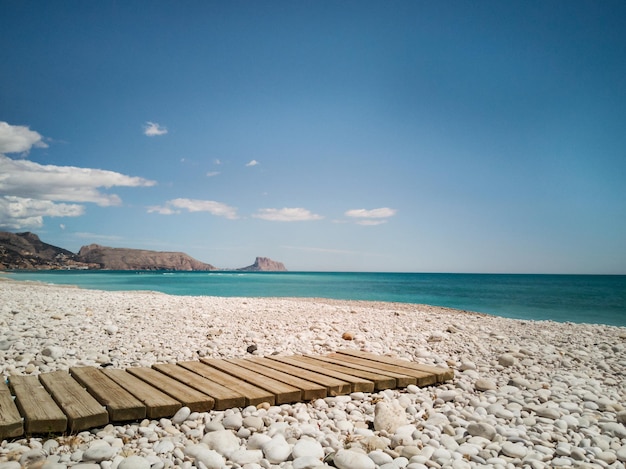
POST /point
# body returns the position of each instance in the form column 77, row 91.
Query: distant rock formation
column 265, row 264
column 27, row 251
column 139, row 259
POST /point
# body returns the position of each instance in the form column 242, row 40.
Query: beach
column 525, row 394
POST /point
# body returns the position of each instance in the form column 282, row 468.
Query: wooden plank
column 120, row 404
column 309, row 389
column 82, row 410
column 381, row 381
column 357, row 384
column 441, row 374
column 334, row 386
column 225, row 398
column 253, row 395
column 11, row 424
column 41, row 413
column 421, row 378
column 284, row 394
column 157, row 403
column 402, row 379
column 196, row 401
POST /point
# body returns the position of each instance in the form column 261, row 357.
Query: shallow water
column 597, row 299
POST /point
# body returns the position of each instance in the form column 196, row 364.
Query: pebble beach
column 532, row 394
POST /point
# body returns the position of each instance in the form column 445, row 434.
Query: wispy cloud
column 286, row 214
column 30, row 191
column 212, row 173
column 376, row 216
column 19, row 138
column 176, row 206
column 252, row 163
column 152, row 129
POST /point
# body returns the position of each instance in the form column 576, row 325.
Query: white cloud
column 18, row 138
column 19, row 212
column 286, row 214
column 374, row 213
column 30, row 191
column 252, row 163
column 371, row 222
column 218, row 161
column 152, row 129
column 175, row 206
column 212, row 173
column 27, row 179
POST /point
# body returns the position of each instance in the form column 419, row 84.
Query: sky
column 408, row 136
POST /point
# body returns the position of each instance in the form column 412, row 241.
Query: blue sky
column 331, row 135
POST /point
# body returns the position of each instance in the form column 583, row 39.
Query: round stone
column 246, row 456
column 347, row 459
column 506, row 360
column 513, row 450
column 277, row 450
column 181, row 415
column 233, row 421
column 309, row 448
column 483, row 384
column 134, row 462
column 223, row 442
column 481, row 429
column 99, row 453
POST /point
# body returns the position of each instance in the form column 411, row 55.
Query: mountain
column 139, row 259
column 265, row 264
column 25, row 251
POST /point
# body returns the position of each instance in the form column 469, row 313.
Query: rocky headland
column 265, row 264
column 25, row 251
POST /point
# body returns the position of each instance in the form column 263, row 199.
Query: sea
column 596, row 299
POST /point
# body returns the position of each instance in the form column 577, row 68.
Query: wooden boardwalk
column 89, row 397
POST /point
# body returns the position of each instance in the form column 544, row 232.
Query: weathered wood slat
column 421, row 378
column 283, row 393
column 253, row 395
column 120, row 404
column 41, row 413
column 380, row 380
column 357, row 384
column 11, row 424
column 309, row 389
column 441, row 374
column 82, row 410
column 402, row 379
column 334, row 386
column 62, row 404
column 225, row 398
column 196, row 401
column 157, row 403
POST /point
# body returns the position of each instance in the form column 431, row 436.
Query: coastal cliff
column 139, row 259
column 25, row 251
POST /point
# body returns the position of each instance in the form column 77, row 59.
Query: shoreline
column 534, row 393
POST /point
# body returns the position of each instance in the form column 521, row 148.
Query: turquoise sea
column 599, row 299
